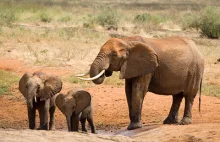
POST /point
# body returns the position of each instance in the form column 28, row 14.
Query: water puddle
column 129, row 133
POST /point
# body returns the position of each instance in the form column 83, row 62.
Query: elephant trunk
column 99, row 64
column 30, row 103
column 31, row 97
column 68, row 120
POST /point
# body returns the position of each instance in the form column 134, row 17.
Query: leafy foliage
column 210, row 23
column 108, row 17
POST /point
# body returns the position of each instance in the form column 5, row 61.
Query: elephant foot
column 185, row 121
column 94, row 132
column 52, row 128
column 134, row 125
column 84, row 130
column 170, row 120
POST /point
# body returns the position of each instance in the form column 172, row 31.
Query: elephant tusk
column 93, row 78
column 84, row 74
column 35, row 99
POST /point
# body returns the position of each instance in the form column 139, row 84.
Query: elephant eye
column 114, row 54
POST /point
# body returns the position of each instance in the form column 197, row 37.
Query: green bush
column 45, row 17
column 210, row 23
column 7, row 17
column 190, row 21
column 108, row 17
column 90, row 22
column 65, row 18
column 211, row 89
column 142, row 18
column 7, row 80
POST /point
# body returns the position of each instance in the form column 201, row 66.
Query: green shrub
column 211, row 89
column 142, row 18
column 90, row 22
column 45, row 17
column 190, row 20
column 148, row 18
column 108, row 17
column 7, row 80
column 210, row 23
column 7, row 17
column 65, row 18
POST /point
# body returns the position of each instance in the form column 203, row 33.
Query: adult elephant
column 169, row 66
column 39, row 90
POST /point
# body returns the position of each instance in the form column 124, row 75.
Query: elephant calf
column 39, row 90
column 76, row 105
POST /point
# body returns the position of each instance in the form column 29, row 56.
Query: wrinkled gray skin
column 170, row 66
column 76, row 105
column 44, row 87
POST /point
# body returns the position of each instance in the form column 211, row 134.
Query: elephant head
column 72, row 104
column 130, row 56
column 39, row 86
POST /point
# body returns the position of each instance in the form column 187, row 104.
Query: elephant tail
column 200, row 95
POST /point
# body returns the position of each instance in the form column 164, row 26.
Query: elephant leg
column 31, row 118
column 136, row 89
column 83, row 124
column 187, row 116
column 52, row 115
column 90, row 120
column 173, row 115
column 75, row 123
column 43, row 113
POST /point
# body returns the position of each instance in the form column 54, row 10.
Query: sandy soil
column 110, row 115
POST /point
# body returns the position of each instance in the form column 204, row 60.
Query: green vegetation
column 90, row 14
column 149, row 18
column 114, row 80
column 7, row 80
column 211, row 89
column 190, row 20
column 45, row 17
column 73, row 79
column 210, row 23
column 108, row 17
column 207, row 21
column 7, row 17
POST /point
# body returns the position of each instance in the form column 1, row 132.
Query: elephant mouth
column 108, row 72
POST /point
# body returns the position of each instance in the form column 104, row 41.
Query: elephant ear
column 51, row 86
column 142, row 59
column 22, row 83
column 83, row 100
column 60, row 102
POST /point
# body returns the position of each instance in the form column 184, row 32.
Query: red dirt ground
column 110, row 107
